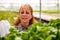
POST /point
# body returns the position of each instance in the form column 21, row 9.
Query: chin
column 24, row 21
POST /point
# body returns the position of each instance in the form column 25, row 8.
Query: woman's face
column 25, row 14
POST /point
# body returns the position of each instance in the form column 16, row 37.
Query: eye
column 22, row 12
column 27, row 12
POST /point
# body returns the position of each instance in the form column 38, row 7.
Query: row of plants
column 8, row 15
column 37, row 31
column 48, row 11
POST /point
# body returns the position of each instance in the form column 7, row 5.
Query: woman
column 25, row 18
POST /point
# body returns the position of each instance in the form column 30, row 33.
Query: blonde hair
column 32, row 21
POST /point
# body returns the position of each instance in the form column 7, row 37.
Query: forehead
column 25, row 7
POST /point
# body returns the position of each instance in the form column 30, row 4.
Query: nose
column 24, row 13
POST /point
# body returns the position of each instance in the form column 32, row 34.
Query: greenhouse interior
column 29, row 19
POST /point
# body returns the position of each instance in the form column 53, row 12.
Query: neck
column 24, row 24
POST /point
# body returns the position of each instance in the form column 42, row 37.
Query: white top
column 4, row 28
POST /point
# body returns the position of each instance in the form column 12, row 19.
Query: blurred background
column 43, row 10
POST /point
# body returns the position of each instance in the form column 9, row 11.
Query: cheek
column 20, row 16
column 29, row 17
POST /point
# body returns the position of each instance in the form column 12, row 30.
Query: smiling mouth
column 24, row 18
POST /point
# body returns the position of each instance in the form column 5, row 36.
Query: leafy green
column 37, row 31
column 14, row 33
